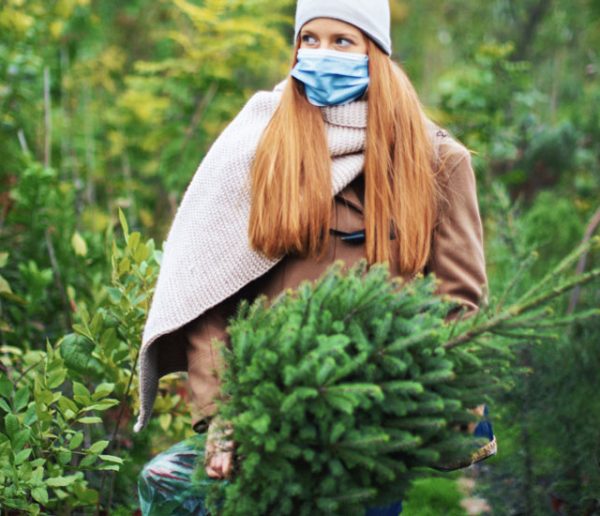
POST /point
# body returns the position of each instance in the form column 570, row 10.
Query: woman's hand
column 218, row 455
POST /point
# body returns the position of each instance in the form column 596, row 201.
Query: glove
column 219, row 449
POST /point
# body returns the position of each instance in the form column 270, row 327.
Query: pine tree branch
column 565, row 264
column 589, row 232
column 516, row 310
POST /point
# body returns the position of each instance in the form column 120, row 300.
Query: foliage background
column 107, row 106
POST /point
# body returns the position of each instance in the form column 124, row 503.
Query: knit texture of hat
column 371, row 16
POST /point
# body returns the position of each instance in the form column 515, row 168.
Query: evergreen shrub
column 341, row 390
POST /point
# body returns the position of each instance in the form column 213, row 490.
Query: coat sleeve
column 457, row 256
column 205, row 337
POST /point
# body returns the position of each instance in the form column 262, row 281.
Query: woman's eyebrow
column 344, row 35
column 307, row 32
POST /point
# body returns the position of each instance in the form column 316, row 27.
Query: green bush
column 45, row 441
column 63, row 410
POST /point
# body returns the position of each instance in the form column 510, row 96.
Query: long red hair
column 291, row 174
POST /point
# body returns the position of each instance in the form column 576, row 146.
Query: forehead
column 330, row 26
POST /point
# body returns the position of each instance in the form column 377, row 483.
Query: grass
column 433, row 497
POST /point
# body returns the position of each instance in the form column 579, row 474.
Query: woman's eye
column 308, row 39
column 344, row 42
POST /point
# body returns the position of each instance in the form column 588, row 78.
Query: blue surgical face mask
column 331, row 77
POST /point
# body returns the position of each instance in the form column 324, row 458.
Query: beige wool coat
column 456, row 258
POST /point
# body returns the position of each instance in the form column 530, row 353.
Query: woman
column 258, row 216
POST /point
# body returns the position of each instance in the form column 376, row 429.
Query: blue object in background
column 392, row 510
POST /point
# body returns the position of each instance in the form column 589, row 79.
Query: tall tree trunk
column 529, row 28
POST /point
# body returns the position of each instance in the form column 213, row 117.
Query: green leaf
column 80, row 390
column 64, row 456
column 124, row 266
column 98, row 447
column 3, row 259
column 134, row 240
column 40, row 494
column 56, row 377
column 22, row 398
column 112, row 458
column 11, row 424
column 37, row 475
column 21, row 438
column 22, row 456
column 90, row 420
column 109, row 467
column 62, row 481
column 6, row 386
column 102, row 405
column 76, row 440
column 76, row 350
column 85, row 495
column 103, row 390
column 65, row 404
column 142, row 253
column 124, row 224
column 5, row 406
column 97, row 322
column 30, row 415
column 88, row 460
column 4, row 439
column 61, row 494
column 83, row 330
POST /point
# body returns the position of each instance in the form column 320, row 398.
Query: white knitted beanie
column 372, row 16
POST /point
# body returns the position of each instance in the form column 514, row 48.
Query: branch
column 590, row 230
column 57, row 275
column 47, row 119
column 529, row 28
column 516, row 310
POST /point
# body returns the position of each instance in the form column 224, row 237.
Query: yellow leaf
column 15, row 20
column 5, row 327
column 94, row 219
column 4, row 286
column 56, row 28
column 146, row 218
column 79, row 244
column 165, row 421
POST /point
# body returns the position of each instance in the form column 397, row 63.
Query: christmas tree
column 341, row 391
